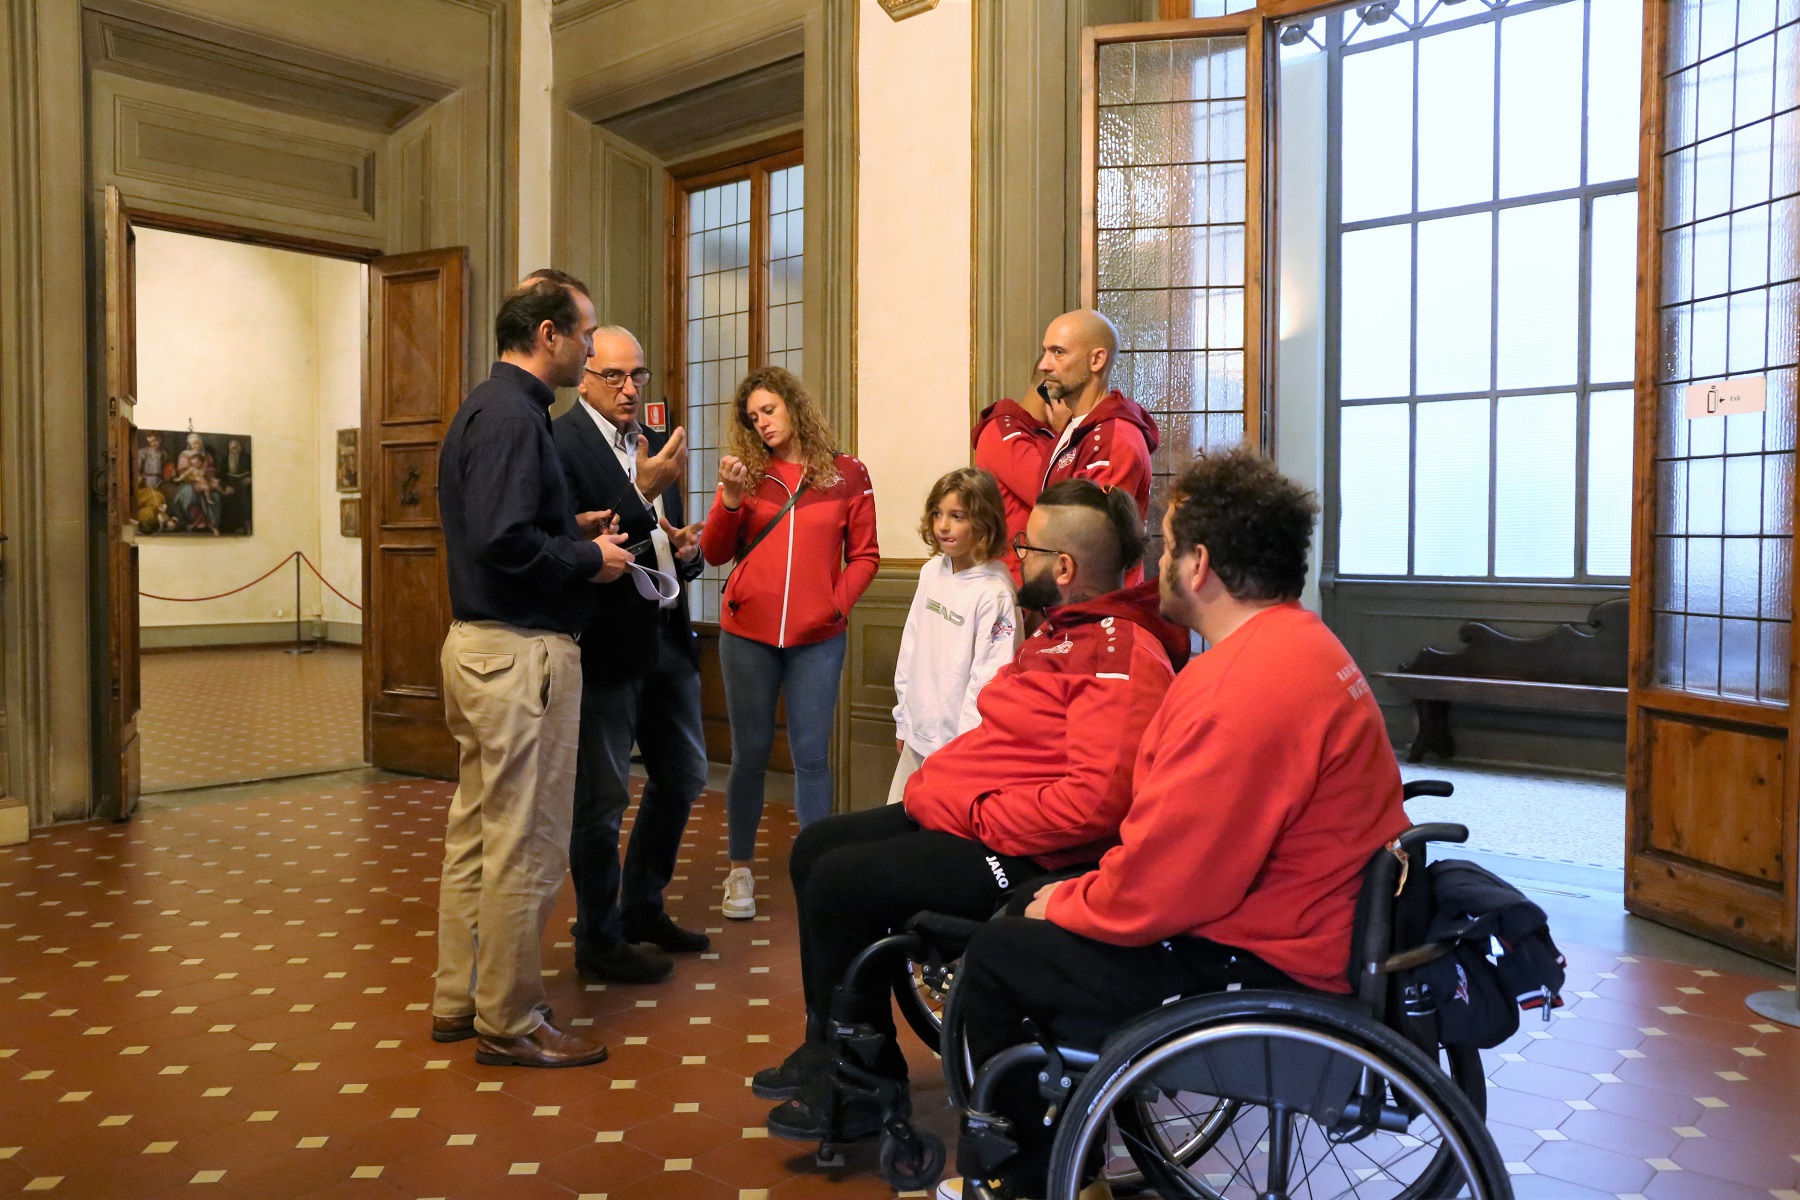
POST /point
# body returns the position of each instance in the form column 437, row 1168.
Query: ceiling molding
column 764, row 100
column 564, row 13
column 134, row 39
column 648, row 77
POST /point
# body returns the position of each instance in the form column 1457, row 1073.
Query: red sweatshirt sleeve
column 1014, row 456
column 1106, row 718
column 719, row 537
column 1180, row 863
column 1123, row 461
column 862, row 554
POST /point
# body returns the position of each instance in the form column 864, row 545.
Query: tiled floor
column 231, row 714
column 231, row 999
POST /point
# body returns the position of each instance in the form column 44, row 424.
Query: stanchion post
column 299, row 646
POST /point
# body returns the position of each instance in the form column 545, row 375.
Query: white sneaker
column 740, row 894
column 950, row 1189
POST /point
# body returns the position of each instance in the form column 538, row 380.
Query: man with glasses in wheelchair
column 1262, row 788
column 1039, row 786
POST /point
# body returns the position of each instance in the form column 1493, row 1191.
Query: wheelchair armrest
column 1435, row 831
column 1426, row 787
column 943, row 926
column 1418, row 956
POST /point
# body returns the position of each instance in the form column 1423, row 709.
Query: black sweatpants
column 1077, row 991
column 859, row 876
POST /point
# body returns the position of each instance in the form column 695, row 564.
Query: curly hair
column 1255, row 523
column 818, row 446
column 980, row 495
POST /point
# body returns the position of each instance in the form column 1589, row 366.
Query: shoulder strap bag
column 766, row 531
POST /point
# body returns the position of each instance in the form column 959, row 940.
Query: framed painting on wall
column 349, row 473
column 192, row 483
column 349, row 524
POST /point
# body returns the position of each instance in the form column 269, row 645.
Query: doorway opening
column 246, row 509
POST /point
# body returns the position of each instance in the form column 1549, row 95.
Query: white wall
column 1300, row 356
column 244, row 340
column 915, row 102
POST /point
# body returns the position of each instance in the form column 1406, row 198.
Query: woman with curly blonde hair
column 799, row 519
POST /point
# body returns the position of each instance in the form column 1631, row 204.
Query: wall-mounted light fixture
column 902, row 9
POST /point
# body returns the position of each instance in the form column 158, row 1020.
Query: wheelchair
column 1252, row 1093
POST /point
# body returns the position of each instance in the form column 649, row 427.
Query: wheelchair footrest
column 985, row 1145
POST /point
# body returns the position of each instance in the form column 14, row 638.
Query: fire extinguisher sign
column 656, row 415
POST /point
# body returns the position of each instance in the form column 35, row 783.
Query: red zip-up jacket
column 1011, row 444
column 798, row 586
column 1263, row 787
column 1047, row 774
column 1111, row 446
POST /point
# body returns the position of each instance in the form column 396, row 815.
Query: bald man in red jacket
column 1102, row 436
column 1261, row 790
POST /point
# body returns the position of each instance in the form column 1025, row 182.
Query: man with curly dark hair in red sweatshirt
column 1039, row 786
column 1262, row 787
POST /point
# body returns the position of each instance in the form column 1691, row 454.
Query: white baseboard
column 247, row 633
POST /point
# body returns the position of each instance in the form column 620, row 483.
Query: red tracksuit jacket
column 1047, row 773
column 798, row 586
column 1011, row 445
column 1263, row 787
column 1111, row 446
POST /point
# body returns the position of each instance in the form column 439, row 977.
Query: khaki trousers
column 512, row 698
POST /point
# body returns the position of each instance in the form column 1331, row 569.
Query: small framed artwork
column 348, row 510
column 349, row 472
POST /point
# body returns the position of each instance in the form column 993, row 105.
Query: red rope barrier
column 234, row 591
column 327, row 582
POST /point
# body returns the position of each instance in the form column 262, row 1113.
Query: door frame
column 115, row 591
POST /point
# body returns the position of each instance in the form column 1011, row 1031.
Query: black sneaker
column 802, row 1119
column 663, row 933
column 807, row 1063
column 623, row 964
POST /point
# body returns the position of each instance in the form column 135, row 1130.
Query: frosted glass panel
column 1375, row 330
column 1534, row 487
column 1612, row 321
column 1377, row 154
column 1373, row 449
column 1456, row 118
column 1540, row 89
column 1450, row 463
column 1615, row 66
column 1609, row 483
column 1455, row 304
column 1540, row 257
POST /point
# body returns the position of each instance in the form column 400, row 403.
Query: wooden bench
column 1572, row 668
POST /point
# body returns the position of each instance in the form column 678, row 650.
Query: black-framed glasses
column 1021, row 547
column 614, row 378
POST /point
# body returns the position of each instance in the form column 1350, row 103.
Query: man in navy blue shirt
column 522, row 567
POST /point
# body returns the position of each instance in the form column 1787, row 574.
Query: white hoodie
column 962, row 628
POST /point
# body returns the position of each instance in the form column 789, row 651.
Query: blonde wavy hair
column 818, row 446
column 980, row 495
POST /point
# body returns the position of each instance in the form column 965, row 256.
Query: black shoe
column 802, row 1119
column 623, row 964
column 809, row 1062
column 660, row 931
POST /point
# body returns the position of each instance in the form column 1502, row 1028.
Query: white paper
column 1726, row 397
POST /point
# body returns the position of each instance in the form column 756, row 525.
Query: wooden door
column 120, row 775
column 1712, row 775
column 418, row 343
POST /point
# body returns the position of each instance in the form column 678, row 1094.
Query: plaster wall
column 915, row 102
column 240, row 339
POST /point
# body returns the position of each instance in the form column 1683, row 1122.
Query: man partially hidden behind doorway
column 640, row 676
column 521, row 568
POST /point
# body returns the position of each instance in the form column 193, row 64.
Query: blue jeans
column 756, row 675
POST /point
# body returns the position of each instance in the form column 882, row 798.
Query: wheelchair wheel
column 1179, row 1127
column 920, row 992
column 1300, row 1070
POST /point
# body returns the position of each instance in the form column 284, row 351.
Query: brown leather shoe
column 459, row 1029
column 545, row 1046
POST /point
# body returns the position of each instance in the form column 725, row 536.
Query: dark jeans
column 756, row 676
column 1077, row 991
column 859, row 876
column 661, row 712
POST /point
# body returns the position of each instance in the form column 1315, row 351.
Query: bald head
column 1078, row 353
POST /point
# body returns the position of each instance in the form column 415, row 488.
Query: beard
column 1039, row 592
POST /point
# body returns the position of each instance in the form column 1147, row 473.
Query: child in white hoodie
column 964, row 622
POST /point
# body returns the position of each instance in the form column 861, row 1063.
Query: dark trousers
column 1077, row 991
column 661, row 713
column 859, row 876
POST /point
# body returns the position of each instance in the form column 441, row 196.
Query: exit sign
column 1727, row 397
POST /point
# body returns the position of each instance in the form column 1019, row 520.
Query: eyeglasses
column 614, row 378
column 1021, row 547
